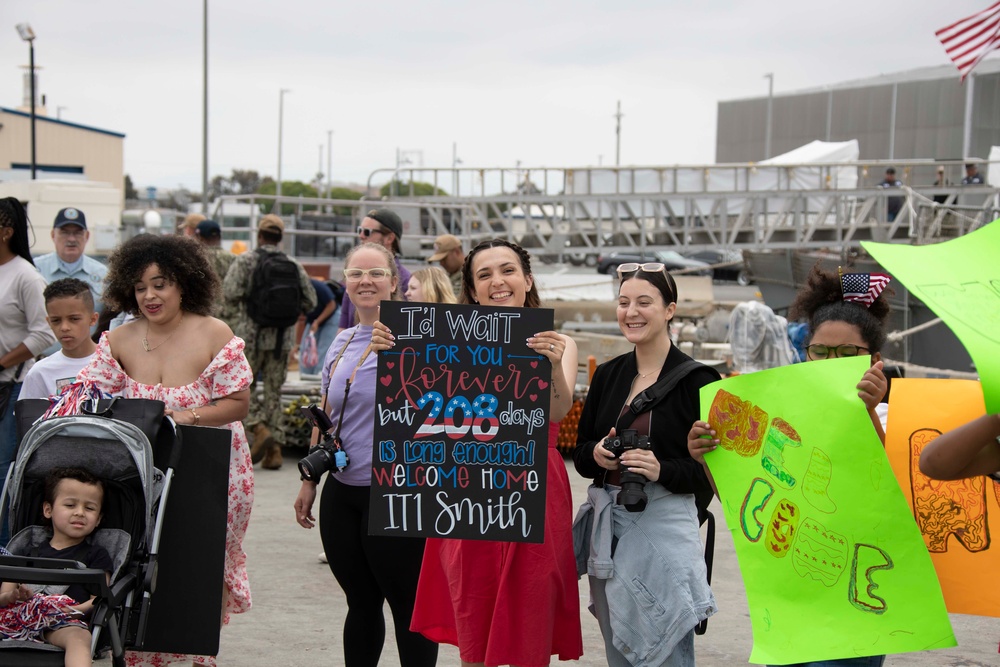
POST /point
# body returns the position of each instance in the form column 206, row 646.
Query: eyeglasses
column 365, row 232
column 648, row 267
column 376, row 274
column 825, row 351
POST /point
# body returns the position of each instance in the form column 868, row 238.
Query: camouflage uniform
column 221, row 259
column 260, row 342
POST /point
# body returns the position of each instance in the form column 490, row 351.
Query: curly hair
column 822, row 300
column 434, row 284
column 13, row 215
column 531, row 298
column 182, row 261
column 69, row 288
column 390, row 263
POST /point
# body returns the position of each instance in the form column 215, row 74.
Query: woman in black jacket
column 648, row 550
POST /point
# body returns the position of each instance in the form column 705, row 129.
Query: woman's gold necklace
column 145, row 342
column 643, row 375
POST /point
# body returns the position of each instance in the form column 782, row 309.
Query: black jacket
column 670, row 422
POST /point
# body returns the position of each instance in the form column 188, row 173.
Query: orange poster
column 960, row 520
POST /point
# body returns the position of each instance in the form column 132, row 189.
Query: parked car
column 671, row 259
column 736, row 273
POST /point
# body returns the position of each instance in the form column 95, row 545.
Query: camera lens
column 315, row 464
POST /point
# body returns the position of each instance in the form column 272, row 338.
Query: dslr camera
column 329, row 454
column 632, row 496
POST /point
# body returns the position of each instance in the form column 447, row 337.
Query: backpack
column 275, row 292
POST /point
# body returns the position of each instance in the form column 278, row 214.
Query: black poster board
column 185, row 611
column 461, row 424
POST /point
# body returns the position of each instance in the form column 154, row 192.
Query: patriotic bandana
column 862, row 287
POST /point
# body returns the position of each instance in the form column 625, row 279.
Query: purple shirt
column 357, row 432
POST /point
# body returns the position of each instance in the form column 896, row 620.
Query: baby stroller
column 121, row 455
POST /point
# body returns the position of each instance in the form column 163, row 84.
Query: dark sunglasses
column 825, row 351
column 365, row 232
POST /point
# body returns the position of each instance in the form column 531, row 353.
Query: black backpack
column 275, row 292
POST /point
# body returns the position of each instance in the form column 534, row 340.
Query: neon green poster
column 960, row 281
column 833, row 563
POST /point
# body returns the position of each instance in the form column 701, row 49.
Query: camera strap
column 651, row 396
column 350, row 380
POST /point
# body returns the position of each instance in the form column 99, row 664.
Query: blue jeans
column 8, row 449
column 324, row 338
column 868, row 661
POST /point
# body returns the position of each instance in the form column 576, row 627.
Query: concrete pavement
column 298, row 610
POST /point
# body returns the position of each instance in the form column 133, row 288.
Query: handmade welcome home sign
column 461, row 430
column 960, row 519
column 960, row 281
column 832, row 560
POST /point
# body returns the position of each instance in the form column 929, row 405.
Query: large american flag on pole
column 863, row 287
column 969, row 41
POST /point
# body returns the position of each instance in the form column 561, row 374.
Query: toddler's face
column 76, row 510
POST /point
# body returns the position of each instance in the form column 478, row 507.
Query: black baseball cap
column 70, row 216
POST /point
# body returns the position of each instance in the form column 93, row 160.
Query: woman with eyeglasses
column 383, row 227
column 842, row 323
column 639, row 529
column 508, row 603
column 371, row 570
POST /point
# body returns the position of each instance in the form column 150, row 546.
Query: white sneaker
column 322, row 558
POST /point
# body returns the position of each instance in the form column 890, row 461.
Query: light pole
column 329, row 163
column 28, row 35
column 455, row 161
column 770, row 103
column 204, row 109
column 281, row 114
column 618, row 134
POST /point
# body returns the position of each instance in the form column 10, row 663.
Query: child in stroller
column 72, row 503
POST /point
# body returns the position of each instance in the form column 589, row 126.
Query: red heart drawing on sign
column 534, row 364
column 542, row 384
column 388, row 399
column 385, row 380
column 390, row 364
column 533, row 397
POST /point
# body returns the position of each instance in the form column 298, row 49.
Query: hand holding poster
column 461, row 431
column 833, row 563
column 960, row 281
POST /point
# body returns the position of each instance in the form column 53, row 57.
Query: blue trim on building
column 51, row 168
column 62, row 122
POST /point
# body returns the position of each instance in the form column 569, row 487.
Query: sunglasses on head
column 365, row 232
column 648, row 267
column 826, row 351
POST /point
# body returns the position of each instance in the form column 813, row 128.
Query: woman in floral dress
column 176, row 352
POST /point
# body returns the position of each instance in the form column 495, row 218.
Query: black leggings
column 372, row 570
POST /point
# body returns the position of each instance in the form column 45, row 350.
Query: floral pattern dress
column 227, row 374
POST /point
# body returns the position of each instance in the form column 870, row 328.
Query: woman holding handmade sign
column 370, row 569
column 847, row 314
column 639, row 531
column 508, row 603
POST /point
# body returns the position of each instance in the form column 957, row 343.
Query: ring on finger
column 551, row 347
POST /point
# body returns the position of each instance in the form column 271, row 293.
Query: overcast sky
column 535, row 81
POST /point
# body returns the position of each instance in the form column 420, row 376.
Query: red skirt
column 507, row 603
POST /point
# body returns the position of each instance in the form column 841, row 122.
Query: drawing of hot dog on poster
column 833, row 562
column 461, row 424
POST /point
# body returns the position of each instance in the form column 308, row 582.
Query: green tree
column 396, row 188
column 240, row 182
column 130, row 191
column 288, row 189
column 343, row 193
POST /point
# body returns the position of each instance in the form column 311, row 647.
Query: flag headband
column 862, row 287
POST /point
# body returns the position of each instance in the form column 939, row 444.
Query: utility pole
column 770, row 104
column 319, row 170
column 618, row 135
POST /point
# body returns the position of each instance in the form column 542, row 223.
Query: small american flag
column 863, row 287
column 969, row 40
